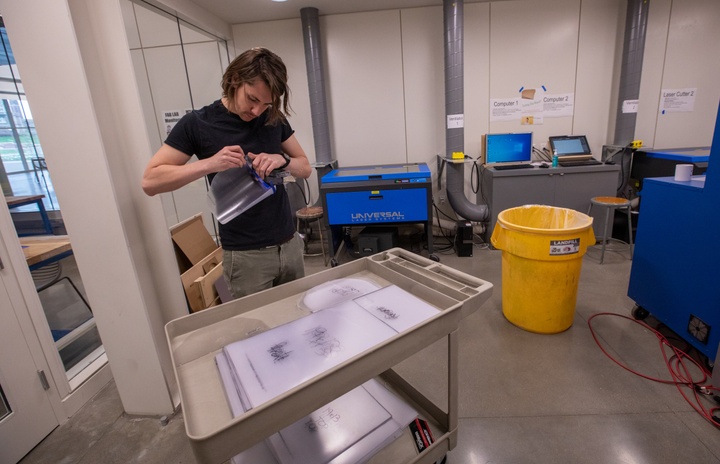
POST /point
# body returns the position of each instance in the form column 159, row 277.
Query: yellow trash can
column 542, row 249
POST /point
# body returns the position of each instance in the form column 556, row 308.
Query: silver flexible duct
column 631, row 70
column 454, row 137
column 316, row 86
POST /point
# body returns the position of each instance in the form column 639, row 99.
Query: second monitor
column 570, row 147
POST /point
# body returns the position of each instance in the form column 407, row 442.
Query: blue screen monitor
column 508, row 148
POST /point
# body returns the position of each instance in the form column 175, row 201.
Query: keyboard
column 568, row 164
column 502, row 167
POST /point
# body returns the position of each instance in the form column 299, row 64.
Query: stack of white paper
column 353, row 427
column 348, row 430
column 336, row 291
column 272, row 362
column 326, row 433
column 396, row 308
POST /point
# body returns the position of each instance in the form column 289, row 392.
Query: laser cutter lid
column 380, row 172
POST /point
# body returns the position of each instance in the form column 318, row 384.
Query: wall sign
column 677, row 100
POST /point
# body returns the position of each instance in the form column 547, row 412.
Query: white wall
column 178, row 67
column 681, row 53
column 533, row 44
column 192, row 12
column 367, row 102
column 601, row 34
column 385, row 78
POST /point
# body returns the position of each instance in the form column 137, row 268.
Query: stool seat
column 309, row 212
column 607, row 201
column 611, row 204
column 306, row 215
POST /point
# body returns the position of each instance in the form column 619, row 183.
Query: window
column 23, row 170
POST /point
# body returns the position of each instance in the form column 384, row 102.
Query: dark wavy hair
column 260, row 64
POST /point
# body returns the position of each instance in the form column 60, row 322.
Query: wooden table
column 45, row 249
column 15, row 202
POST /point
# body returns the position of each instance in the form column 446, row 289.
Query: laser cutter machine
column 377, row 195
column 674, row 274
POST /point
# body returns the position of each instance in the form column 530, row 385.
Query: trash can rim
column 585, row 221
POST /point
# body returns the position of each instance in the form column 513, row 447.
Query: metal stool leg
column 322, row 241
column 308, row 224
column 297, row 227
column 630, row 237
column 589, row 213
column 605, row 230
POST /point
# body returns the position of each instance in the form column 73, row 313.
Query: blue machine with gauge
column 674, row 273
column 377, row 195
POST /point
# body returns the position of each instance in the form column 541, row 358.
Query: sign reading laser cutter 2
column 564, row 247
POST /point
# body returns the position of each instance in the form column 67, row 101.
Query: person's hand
column 228, row 157
column 265, row 163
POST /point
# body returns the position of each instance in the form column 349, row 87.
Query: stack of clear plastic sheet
column 348, row 317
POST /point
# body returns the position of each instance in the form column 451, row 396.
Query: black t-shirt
column 203, row 133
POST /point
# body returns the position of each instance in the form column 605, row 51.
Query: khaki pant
column 250, row 271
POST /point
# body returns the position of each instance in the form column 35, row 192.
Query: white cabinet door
column 26, row 415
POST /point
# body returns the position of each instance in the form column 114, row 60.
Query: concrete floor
column 524, row 397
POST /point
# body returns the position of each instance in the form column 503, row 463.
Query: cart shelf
column 194, row 340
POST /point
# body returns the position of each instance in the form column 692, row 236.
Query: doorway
column 26, row 413
column 45, row 315
column 27, row 187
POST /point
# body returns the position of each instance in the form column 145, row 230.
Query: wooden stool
column 307, row 215
column 611, row 204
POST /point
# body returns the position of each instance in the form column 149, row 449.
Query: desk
column 43, row 250
column 564, row 187
column 75, row 322
column 15, row 202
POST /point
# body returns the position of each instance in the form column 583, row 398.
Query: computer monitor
column 575, row 146
column 508, row 148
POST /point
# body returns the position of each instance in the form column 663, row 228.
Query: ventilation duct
column 316, row 86
column 454, row 137
column 631, row 69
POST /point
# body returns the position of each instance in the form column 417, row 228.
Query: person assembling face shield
column 248, row 124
